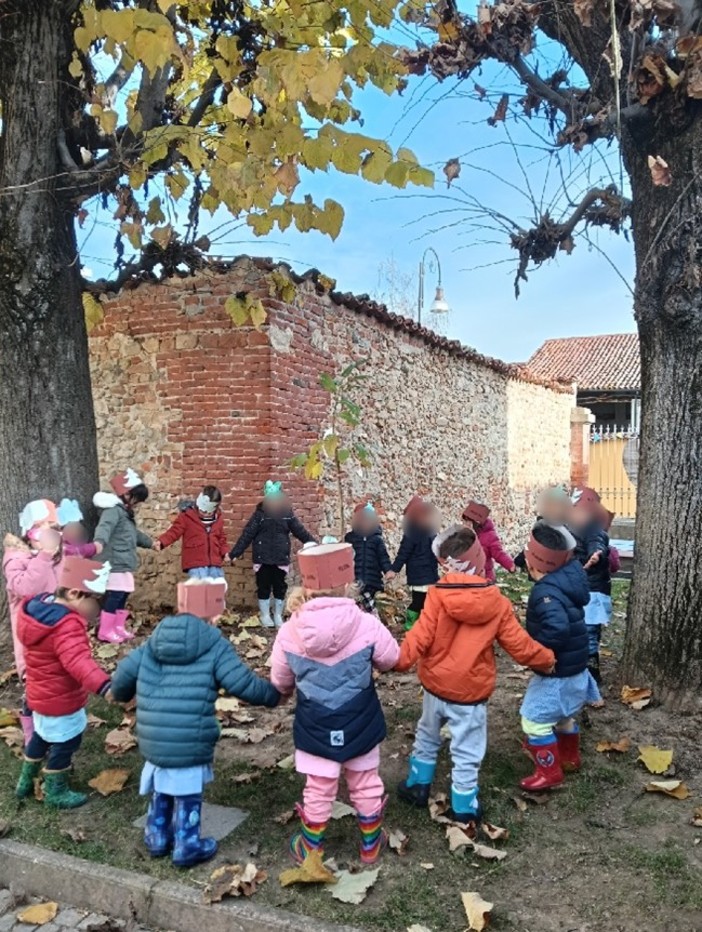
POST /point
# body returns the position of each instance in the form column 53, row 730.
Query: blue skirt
column 549, row 699
column 598, row 610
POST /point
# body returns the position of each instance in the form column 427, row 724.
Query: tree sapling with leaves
column 268, row 532
column 337, row 447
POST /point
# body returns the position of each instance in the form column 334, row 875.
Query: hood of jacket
column 105, row 500
column 325, row 626
column 480, row 608
column 571, row 580
column 354, row 536
column 181, row 639
column 40, row 616
column 14, row 543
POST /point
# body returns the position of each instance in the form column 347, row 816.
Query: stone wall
column 189, row 398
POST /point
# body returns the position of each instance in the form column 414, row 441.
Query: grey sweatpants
column 468, row 727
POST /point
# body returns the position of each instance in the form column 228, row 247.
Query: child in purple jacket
column 477, row 517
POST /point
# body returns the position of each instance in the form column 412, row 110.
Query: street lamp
column 439, row 304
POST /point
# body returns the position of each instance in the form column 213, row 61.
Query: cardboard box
column 202, row 598
column 326, row 566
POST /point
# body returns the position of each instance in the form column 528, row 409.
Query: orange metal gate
column 614, row 458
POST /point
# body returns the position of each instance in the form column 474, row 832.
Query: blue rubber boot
column 465, row 807
column 188, row 847
column 158, row 831
column 417, row 787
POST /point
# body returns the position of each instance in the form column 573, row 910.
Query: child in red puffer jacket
column 200, row 525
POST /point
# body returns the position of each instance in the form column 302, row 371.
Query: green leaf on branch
column 328, row 383
column 331, row 445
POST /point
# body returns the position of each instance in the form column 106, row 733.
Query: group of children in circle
column 59, row 585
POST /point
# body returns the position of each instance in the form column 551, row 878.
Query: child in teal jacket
column 176, row 676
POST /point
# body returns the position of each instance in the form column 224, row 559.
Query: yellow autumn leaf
column 477, row 910
column 310, row 871
column 258, row 313
column 109, row 781
column 94, row 314
column 7, row 717
column 238, row 104
column 654, row 759
column 39, row 914
column 675, row 788
column 621, row 746
column 635, row 694
column 324, row 86
column 237, row 310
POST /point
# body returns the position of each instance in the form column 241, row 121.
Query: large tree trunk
column 47, row 429
column 664, row 632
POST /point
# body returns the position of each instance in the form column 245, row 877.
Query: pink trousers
column 366, row 791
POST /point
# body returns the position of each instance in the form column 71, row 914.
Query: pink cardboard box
column 326, row 566
column 202, row 599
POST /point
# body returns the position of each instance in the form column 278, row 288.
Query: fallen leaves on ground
column 94, row 721
column 416, row 928
column 119, row 741
column 109, row 781
column 438, row 807
column 7, row 676
column 341, row 810
column 285, row 817
column 539, row 799
column 8, row 717
column 247, row 735
column 458, row 838
column 654, row 759
column 287, row 763
column 477, row 910
column 5, row 828
column 12, row 736
column 621, row 746
column 494, row 832
column 398, row 841
column 637, row 697
column 106, row 651
column 427, row 865
column 675, row 788
column 233, row 880
column 247, row 777
column 312, row 870
column 696, row 819
column 39, row 914
column 353, row 888
column 520, row 803
column 75, row 834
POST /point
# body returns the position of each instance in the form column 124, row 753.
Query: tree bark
column 47, row 428
column 663, row 647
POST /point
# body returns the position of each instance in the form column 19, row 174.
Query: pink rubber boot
column 108, row 629
column 122, row 617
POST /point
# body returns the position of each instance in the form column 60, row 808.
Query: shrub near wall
column 183, row 394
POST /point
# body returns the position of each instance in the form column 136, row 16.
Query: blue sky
column 573, row 295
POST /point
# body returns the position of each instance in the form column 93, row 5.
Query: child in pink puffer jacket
column 327, row 651
column 477, row 517
column 31, row 565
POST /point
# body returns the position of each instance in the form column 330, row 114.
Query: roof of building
column 609, row 362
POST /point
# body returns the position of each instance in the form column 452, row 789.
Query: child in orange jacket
column 453, row 646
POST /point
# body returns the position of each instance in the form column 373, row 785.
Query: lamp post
column 439, row 304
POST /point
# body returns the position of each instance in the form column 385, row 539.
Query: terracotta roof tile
column 609, row 362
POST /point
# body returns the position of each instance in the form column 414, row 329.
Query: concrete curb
column 156, row 904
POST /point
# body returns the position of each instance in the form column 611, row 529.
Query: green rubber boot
column 58, row 794
column 411, row 619
column 29, row 773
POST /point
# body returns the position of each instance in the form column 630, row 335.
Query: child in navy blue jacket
column 556, row 618
column 370, row 555
column 588, row 522
column 420, row 527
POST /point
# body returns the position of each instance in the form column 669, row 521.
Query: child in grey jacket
column 119, row 537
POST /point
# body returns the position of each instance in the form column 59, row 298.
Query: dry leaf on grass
column 353, row 888
column 8, row 717
column 637, row 697
column 654, row 759
column 539, row 799
column 287, row 763
column 233, row 880
column 247, row 735
column 398, row 841
column 621, row 746
column 247, row 777
column 109, row 781
column 119, row 741
column 675, row 788
column 106, row 651
column 12, row 736
column 416, row 928
column 5, row 828
column 312, row 870
column 39, row 914
column 477, row 910
column 94, row 721
column 696, row 819
column 341, row 810
column 520, row 803
column 75, row 834
column 253, row 621
column 427, row 865
column 285, row 817
column 494, row 832
column 458, row 838
column 7, row 676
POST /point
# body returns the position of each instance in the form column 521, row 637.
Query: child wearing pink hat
column 119, row 537
column 327, row 652
column 61, row 672
column 31, row 564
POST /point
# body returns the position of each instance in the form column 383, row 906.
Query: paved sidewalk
column 67, row 918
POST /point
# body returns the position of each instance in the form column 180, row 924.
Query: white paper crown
column 99, row 583
column 68, row 511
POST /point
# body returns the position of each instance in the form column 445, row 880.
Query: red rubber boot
column 548, row 774
column 569, row 750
